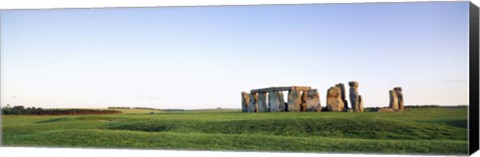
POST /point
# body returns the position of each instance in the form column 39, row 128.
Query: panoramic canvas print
column 389, row 78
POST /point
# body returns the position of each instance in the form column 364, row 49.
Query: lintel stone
column 276, row 89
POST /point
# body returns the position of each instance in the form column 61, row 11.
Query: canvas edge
column 473, row 133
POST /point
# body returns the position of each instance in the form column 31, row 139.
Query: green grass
column 422, row 130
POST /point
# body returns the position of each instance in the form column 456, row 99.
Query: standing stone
column 281, row 101
column 294, row 100
column 342, row 89
column 313, row 101
column 262, row 102
column 393, row 100
column 275, row 101
column 252, row 106
column 272, row 101
column 360, row 103
column 334, row 100
column 245, row 101
column 354, row 95
column 398, row 91
column 303, row 105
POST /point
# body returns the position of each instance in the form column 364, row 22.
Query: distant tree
column 17, row 110
column 20, row 110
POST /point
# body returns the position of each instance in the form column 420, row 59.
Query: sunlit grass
column 423, row 130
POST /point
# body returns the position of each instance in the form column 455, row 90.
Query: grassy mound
column 331, row 127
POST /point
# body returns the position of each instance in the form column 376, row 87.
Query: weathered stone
column 303, row 105
column 245, row 101
column 282, row 104
column 334, row 100
column 386, row 109
column 353, row 83
column 360, row 103
column 278, row 89
column 342, row 89
column 262, row 102
column 252, row 106
column 275, row 101
column 393, row 100
column 354, row 96
column 294, row 100
column 398, row 91
column 312, row 101
column 272, row 101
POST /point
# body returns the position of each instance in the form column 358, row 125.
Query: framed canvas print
column 357, row 78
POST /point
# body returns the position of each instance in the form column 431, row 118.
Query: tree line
column 21, row 110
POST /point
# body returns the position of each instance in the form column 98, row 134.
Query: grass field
column 417, row 131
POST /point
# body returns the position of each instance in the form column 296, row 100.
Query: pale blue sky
column 203, row 57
